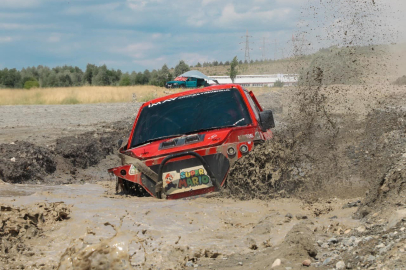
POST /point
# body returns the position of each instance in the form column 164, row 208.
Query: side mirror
column 266, row 120
column 119, row 143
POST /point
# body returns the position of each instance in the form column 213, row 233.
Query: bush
column 31, row 84
column 278, row 83
column 400, row 81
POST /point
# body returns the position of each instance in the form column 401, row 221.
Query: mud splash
column 108, row 253
column 20, row 225
column 317, row 150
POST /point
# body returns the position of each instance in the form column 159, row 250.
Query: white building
column 259, row 80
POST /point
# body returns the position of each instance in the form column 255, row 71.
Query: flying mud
column 327, row 193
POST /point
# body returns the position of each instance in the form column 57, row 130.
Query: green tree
column 146, row 77
column 89, row 73
column 163, row 75
column 31, row 84
column 233, row 69
column 181, row 68
column 198, row 64
column 102, row 77
column 125, row 80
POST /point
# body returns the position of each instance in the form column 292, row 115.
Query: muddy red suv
column 184, row 144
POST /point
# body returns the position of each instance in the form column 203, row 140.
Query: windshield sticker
column 188, row 96
column 193, row 178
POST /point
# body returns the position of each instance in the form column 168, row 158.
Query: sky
column 145, row 34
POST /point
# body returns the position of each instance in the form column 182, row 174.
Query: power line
column 264, row 48
column 247, row 47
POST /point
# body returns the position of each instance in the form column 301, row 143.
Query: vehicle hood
column 154, row 149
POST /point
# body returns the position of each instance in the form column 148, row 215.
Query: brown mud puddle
column 119, row 232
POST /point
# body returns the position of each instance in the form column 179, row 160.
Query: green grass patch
column 70, row 100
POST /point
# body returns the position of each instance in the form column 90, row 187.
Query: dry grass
column 76, row 95
column 90, row 94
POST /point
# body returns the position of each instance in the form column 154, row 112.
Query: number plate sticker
column 188, row 179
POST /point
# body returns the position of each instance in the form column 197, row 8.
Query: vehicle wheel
column 132, row 189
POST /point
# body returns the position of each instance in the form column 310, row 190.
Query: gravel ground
column 42, row 124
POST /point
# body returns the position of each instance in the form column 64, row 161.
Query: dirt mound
column 299, row 244
column 383, row 161
column 23, row 161
column 388, row 193
column 19, row 225
column 90, row 148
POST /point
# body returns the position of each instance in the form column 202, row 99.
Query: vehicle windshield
column 191, row 113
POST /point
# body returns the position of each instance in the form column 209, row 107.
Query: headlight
column 231, row 151
column 244, row 149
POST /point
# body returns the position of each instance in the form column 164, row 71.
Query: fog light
column 244, row 149
column 123, row 172
column 231, row 151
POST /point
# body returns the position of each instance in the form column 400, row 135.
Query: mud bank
column 26, row 162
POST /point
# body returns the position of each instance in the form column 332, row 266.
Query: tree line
column 67, row 76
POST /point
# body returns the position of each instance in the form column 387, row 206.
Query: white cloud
column 160, row 35
column 95, row 9
column 136, row 4
column 54, row 38
column 230, row 17
column 21, row 26
column 139, row 5
column 151, row 63
column 194, row 58
column 6, row 39
column 19, row 3
column 206, row 2
column 136, row 50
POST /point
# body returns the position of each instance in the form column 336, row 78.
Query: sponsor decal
column 168, row 181
column 212, row 137
column 132, row 170
column 193, row 178
column 188, row 96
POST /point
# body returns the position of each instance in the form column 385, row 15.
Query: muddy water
column 117, row 231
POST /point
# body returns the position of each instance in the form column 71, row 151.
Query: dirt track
column 288, row 223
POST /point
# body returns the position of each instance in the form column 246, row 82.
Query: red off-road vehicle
column 184, row 144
